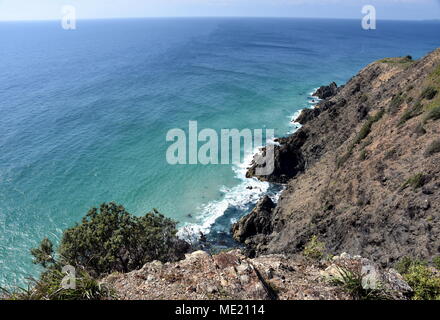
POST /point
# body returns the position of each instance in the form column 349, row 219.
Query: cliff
column 361, row 177
column 362, row 173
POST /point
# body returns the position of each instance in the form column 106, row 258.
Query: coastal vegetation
column 405, row 61
column 107, row 240
column 416, row 181
column 363, row 133
column 423, row 279
column 351, row 281
column 314, row 249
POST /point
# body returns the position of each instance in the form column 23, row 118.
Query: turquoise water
column 84, row 113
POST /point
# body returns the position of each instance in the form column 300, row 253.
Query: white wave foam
column 247, row 192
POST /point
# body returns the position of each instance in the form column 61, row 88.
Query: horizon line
column 210, row 17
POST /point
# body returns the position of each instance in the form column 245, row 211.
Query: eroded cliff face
column 362, row 175
column 363, row 172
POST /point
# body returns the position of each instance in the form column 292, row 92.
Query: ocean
column 84, row 113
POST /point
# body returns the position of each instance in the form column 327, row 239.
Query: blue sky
column 89, row 9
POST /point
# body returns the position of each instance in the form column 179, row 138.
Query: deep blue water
column 84, row 113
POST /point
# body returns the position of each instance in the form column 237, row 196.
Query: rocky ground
column 363, row 172
column 231, row 275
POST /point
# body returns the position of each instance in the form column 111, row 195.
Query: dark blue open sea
column 84, row 113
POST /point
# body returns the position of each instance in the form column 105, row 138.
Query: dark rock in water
column 257, row 222
column 307, row 115
column 326, row 92
column 288, row 159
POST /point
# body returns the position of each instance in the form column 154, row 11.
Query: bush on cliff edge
column 110, row 239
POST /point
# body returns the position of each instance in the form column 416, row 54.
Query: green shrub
column 412, row 112
column 433, row 148
column 351, row 282
column 395, row 103
column 363, row 133
column 404, row 263
column 424, row 282
column 363, row 155
column 416, row 181
column 342, row 159
column 429, row 93
column 436, row 262
column 110, row 239
column 363, row 98
column 433, row 114
column 314, row 249
column 49, row 287
column 366, row 128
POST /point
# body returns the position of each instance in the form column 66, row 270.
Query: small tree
column 110, row 239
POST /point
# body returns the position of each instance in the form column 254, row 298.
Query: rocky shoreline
column 345, row 167
column 362, row 192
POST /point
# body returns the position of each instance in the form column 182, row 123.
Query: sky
column 100, row 9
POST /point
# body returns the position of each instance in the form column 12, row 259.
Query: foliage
column 110, row 239
column 404, row 61
column 107, row 240
column 363, row 98
column 402, row 266
column 424, row 282
column 416, row 181
column 412, row 112
column 44, row 254
column 363, row 133
column 395, row 103
column 433, row 114
column 436, row 262
column 363, row 155
column 48, row 287
column 314, row 249
column 419, row 276
column 351, row 282
column 428, row 93
column 366, row 128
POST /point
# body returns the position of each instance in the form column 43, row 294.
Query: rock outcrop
column 231, row 275
column 257, row 222
column 326, row 92
column 363, row 173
